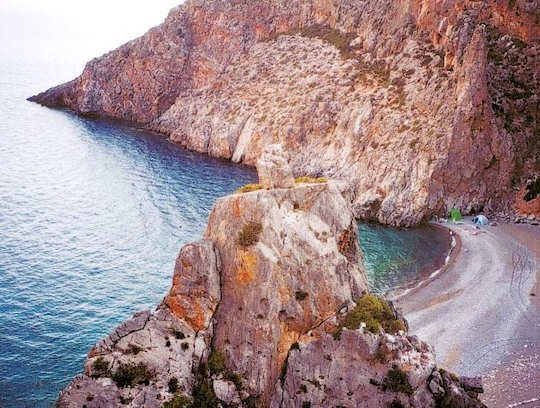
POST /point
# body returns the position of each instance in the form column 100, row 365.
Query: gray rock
column 300, row 265
column 226, row 392
column 273, row 168
column 473, row 384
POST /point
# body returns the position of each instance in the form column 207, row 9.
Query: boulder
column 273, row 168
column 290, row 260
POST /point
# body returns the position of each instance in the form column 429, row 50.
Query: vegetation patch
column 216, row 362
column 173, row 385
column 532, row 189
column 179, row 401
column 340, row 40
column 308, row 179
column 249, row 234
column 179, row 335
column 300, row 295
column 129, row 375
column 395, row 404
column 134, row 349
column 100, row 367
column 249, row 188
column 204, row 395
column 346, row 243
column 235, row 378
column 375, row 312
column 396, row 381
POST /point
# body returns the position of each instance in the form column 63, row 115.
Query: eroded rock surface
column 167, row 344
column 290, row 262
column 353, row 371
column 421, row 105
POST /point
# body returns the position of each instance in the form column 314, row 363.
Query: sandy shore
column 479, row 313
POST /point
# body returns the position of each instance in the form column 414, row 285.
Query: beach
column 481, row 311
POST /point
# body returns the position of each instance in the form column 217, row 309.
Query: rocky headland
column 270, row 309
column 421, row 105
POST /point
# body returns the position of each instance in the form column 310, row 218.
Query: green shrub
column 330, row 35
column 396, row 381
column 204, row 396
column 100, row 366
column 235, row 378
column 173, row 385
column 395, row 404
column 251, row 402
column 300, row 295
column 249, row 234
column 129, row 375
column 249, row 188
column 179, row 401
column 134, row 349
column 216, row 362
column 374, row 312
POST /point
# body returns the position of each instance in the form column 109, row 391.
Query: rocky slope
column 269, row 310
column 421, row 105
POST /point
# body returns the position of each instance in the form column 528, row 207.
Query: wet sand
column 479, row 313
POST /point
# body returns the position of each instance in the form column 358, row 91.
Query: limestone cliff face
column 421, row 105
column 255, row 318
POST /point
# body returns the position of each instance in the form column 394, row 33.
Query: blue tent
column 480, row 220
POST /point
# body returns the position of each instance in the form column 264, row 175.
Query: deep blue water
column 92, row 216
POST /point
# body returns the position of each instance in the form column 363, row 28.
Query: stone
column 159, row 341
column 195, row 292
column 436, row 384
column 273, row 168
column 290, row 280
column 473, row 384
column 226, row 391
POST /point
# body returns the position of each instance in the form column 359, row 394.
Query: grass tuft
column 178, row 401
column 249, row 234
column 375, row 312
column 308, row 179
column 249, row 188
column 129, row 375
column 396, row 381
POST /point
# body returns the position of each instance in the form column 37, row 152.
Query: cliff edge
column 270, row 309
column 421, row 105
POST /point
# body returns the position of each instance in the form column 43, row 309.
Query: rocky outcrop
column 362, row 369
column 422, row 106
column 269, row 310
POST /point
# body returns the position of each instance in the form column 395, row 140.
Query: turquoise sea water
column 92, row 216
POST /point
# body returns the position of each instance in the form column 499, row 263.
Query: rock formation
column 269, row 310
column 422, row 105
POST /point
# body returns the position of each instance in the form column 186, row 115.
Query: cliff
column 269, row 310
column 420, row 105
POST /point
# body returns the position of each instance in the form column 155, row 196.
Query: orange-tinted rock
column 284, row 281
column 195, row 294
column 527, row 208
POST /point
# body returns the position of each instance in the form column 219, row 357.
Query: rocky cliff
column 269, row 310
column 421, row 105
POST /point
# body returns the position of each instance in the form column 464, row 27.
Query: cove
column 92, row 216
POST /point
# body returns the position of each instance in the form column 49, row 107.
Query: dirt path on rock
column 479, row 314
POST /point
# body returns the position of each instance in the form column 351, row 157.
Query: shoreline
column 439, row 266
column 478, row 312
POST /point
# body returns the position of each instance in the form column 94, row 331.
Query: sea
column 92, row 216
